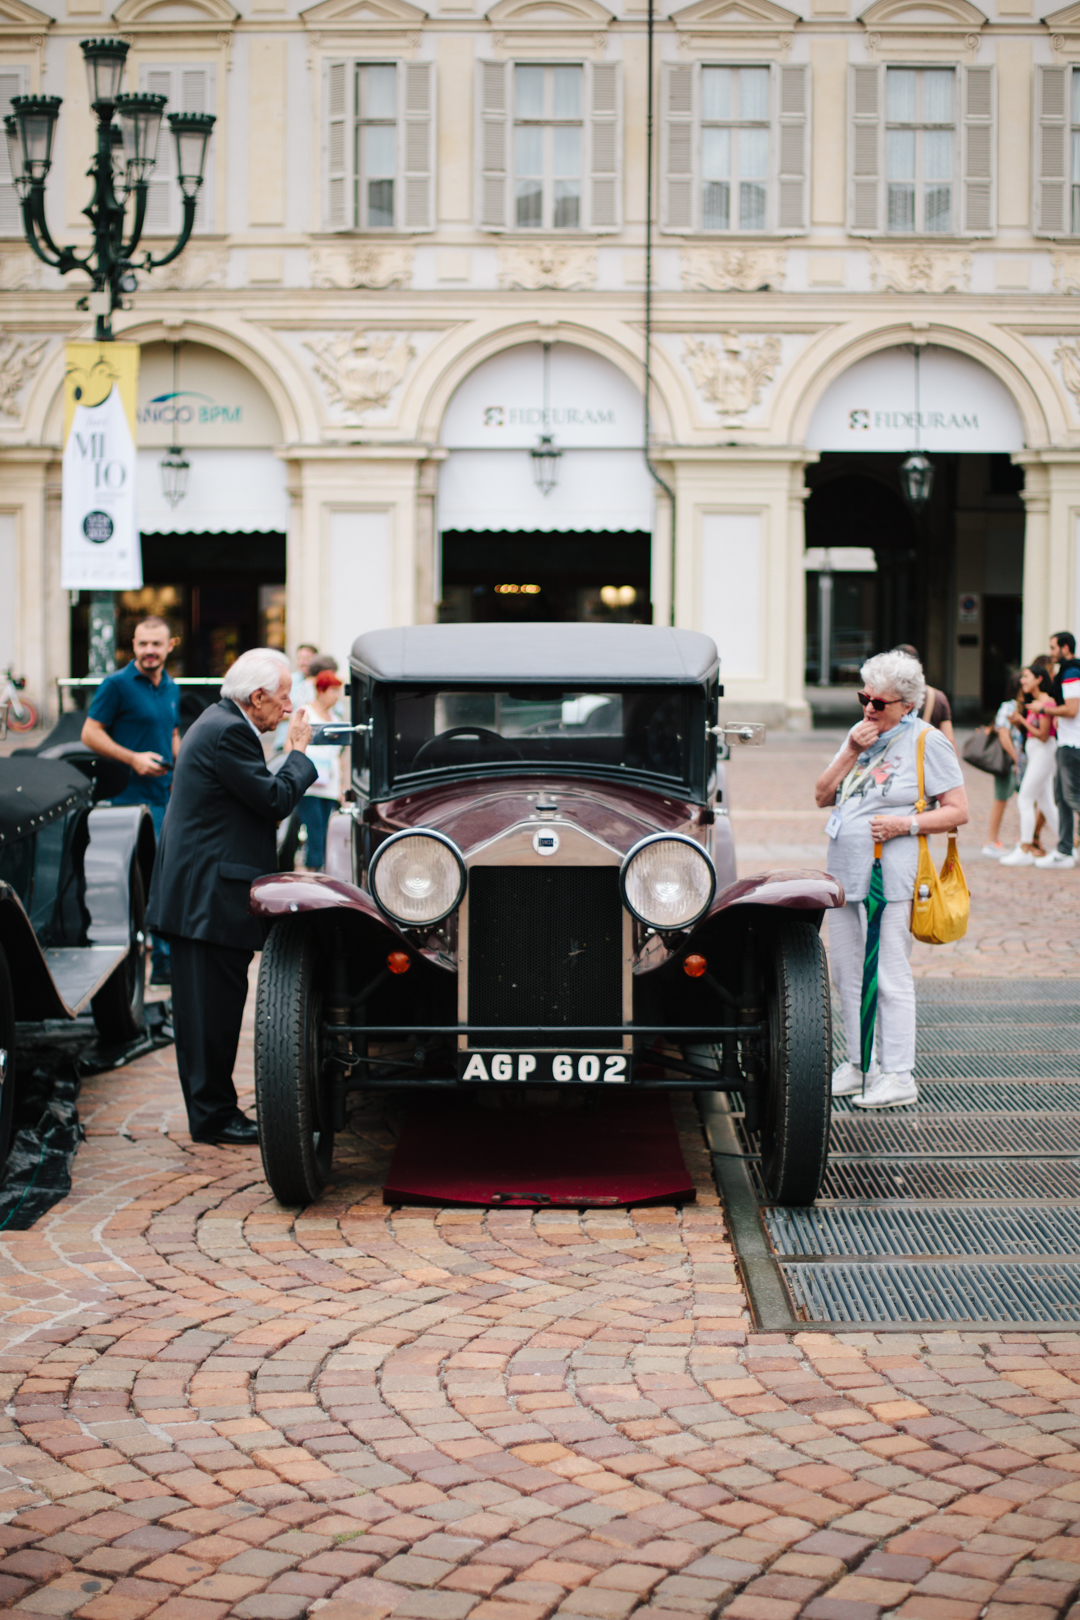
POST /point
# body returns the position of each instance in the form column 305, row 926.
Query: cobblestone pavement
column 215, row 1406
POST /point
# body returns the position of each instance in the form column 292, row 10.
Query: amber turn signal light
column 695, row 966
column 398, row 962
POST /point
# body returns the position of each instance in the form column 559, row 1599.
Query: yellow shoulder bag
column 941, row 903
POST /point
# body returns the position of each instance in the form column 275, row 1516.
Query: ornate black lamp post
column 125, row 157
column 121, row 169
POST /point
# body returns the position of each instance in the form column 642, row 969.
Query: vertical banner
column 100, row 548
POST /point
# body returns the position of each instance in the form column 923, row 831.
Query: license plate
column 545, row 1067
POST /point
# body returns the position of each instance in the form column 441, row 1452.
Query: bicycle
column 21, row 714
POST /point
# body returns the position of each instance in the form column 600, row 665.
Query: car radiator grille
column 545, row 947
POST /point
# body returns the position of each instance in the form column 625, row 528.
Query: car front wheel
column 796, row 1102
column 292, row 1089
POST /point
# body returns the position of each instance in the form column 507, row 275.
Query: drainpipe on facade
column 666, row 487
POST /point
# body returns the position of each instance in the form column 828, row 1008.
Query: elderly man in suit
column 218, row 836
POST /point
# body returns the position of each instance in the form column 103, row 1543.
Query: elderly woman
column 873, row 786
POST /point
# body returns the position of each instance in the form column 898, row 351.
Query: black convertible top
column 549, row 654
column 34, row 792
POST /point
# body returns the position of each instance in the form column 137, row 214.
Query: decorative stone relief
column 534, row 267
column 1067, row 356
column 732, row 269
column 361, row 265
column 196, row 267
column 19, row 360
column 919, row 270
column 1066, row 272
column 732, row 374
column 19, row 272
column 360, row 370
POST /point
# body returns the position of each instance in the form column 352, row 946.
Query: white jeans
column 894, row 1040
column 1037, row 789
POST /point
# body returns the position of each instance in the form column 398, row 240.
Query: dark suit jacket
column 219, row 830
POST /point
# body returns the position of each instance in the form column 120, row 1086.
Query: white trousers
column 894, row 1039
column 1037, row 790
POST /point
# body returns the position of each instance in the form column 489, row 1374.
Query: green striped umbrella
column 875, row 905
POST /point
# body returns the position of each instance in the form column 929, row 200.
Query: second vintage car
column 536, row 886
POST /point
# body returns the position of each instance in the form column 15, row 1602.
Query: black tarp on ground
column 34, row 792
column 51, row 1060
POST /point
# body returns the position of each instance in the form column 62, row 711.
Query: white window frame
column 974, row 210
column 601, row 165
column 414, row 125
column 682, row 178
column 1055, row 174
column 165, row 207
column 920, row 126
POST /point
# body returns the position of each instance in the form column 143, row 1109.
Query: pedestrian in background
column 135, row 720
column 324, row 795
column 872, row 784
column 1066, row 711
column 1005, row 785
column 936, row 710
column 1040, row 750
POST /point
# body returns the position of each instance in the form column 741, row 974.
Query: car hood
column 475, row 814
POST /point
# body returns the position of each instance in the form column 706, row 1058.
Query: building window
column 920, row 146
column 187, row 89
column 734, row 148
column 548, row 147
column 12, row 83
column 379, row 160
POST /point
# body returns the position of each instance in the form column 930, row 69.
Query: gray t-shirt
column 888, row 786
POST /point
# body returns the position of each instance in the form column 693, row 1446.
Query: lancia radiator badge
column 545, row 840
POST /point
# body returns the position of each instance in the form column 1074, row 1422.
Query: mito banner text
column 100, row 547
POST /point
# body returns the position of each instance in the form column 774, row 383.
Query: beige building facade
column 421, row 252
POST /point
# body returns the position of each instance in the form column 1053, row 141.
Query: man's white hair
column 895, row 672
column 259, row 669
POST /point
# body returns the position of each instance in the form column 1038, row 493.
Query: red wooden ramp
column 613, row 1151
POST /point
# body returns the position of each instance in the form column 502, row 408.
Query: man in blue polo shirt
column 134, row 719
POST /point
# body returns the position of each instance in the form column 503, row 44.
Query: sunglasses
column 875, row 703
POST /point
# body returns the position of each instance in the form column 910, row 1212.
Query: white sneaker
column 1056, row 858
column 889, row 1091
column 847, row 1079
column 994, row 851
column 1019, row 857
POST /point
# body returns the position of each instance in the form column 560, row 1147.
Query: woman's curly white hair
column 897, row 673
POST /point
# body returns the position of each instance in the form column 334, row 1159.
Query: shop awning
column 228, row 492
column 494, row 491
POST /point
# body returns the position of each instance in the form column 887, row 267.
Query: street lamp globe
column 36, row 117
column 15, row 156
column 105, row 60
column 140, row 121
column 917, row 479
column 174, row 475
column 191, row 132
column 545, row 460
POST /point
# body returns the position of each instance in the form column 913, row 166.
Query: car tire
column 119, row 1007
column 7, row 1047
column 797, row 1101
column 292, row 1095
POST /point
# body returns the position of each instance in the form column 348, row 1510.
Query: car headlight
column 667, row 881
column 417, row 878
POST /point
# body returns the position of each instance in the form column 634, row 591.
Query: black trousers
column 209, row 989
column 1067, row 794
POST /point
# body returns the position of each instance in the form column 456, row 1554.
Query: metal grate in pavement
column 1005, row 1292
column 986, row 1096
column 947, row 1015
column 953, row 1180
column 1021, row 993
column 903, row 1230
column 911, row 1131
column 999, row 1039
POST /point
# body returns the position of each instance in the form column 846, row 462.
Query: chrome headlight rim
column 666, row 838
column 399, row 838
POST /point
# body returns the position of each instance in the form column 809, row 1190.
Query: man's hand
column 148, row 765
column 299, row 733
column 862, row 735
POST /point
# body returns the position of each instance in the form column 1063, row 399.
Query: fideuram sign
column 100, row 547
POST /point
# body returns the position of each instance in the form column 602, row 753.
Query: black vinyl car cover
column 34, row 792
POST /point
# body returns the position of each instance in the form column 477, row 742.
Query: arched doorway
column 545, row 506
column 946, row 575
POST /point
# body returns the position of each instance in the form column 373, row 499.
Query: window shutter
column 865, row 151
column 493, row 143
column 1052, row 152
column 677, row 148
column 12, row 83
column 978, row 151
column 418, row 133
column 604, row 149
column 791, row 177
column 337, row 145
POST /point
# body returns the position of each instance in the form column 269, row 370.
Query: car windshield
column 643, row 729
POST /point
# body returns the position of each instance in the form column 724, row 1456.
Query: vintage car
column 536, row 886
column 73, row 879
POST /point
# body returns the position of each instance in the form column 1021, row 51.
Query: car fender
column 791, row 891
column 283, row 894
column 120, row 835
